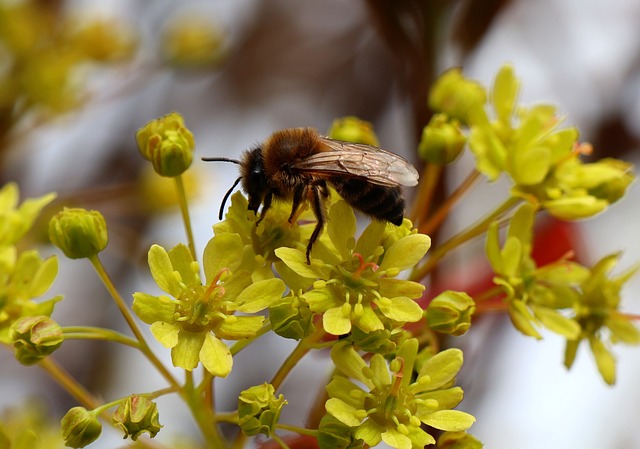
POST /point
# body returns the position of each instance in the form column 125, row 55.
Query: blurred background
column 78, row 78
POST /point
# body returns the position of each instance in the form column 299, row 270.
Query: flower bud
column 442, row 141
column 103, row 40
column 35, row 337
column 80, row 427
column 259, row 409
column 352, row 129
column 167, row 144
column 450, row 313
column 291, row 320
column 78, row 233
column 458, row 97
column 193, row 41
column 458, row 440
column 137, row 415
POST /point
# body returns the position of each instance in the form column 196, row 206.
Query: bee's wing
column 376, row 165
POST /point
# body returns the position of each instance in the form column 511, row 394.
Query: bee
column 299, row 165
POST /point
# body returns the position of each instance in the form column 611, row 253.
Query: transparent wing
column 378, row 166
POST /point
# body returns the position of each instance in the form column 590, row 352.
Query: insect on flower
column 299, row 164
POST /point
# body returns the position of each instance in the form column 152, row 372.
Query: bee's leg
column 266, row 205
column 297, row 199
column 318, row 193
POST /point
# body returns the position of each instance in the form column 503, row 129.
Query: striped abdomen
column 381, row 202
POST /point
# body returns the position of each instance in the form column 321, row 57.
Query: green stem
column 297, row 429
column 241, row 344
column 70, row 385
column 184, row 209
column 126, row 313
column 304, row 346
column 97, row 333
column 203, row 415
column 280, row 441
column 443, row 211
column 473, row 231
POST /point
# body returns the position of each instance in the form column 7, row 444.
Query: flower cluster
column 354, row 282
column 542, row 159
column 196, row 318
column 25, row 275
column 572, row 300
column 384, row 402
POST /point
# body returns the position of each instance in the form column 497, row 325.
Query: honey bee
column 299, row 164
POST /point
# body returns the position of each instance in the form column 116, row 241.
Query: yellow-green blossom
column 352, row 129
column 450, row 312
column 80, row 427
column 196, row 318
column 601, row 322
column 527, row 144
column 167, row 143
column 379, row 402
column 536, row 296
column 35, row 337
column 193, row 41
column 16, row 220
column 135, row 416
column 354, row 282
column 259, row 409
column 442, row 140
column 79, row 233
column 22, row 279
column 258, row 242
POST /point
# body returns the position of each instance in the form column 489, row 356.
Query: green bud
column 137, row 415
column 352, row 129
column 167, row 143
column 34, row 338
column 259, row 409
column 291, row 319
column 333, row 434
column 442, row 140
column 80, row 427
column 458, row 97
column 458, row 440
column 450, row 313
column 78, row 233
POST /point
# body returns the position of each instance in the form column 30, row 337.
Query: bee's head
column 254, row 181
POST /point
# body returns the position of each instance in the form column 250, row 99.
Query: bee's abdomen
column 383, row 203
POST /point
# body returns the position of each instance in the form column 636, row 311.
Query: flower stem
column 297, row 429
column 98, row 333
column 70, row 385
column 422, row 204
column 473, row 231
column 184, row 209
column 304, row 346
column 126, row 313
column 445, row 208
column 203, row 415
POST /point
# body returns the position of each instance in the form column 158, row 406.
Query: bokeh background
column 78, row 78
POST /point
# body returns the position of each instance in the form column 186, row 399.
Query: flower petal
column 404, row 310
column 153, row 308
column 215, row 356
column 165, row 333
column 335, row 322
column 260, row 295
column 450, row 420
column 162, row 271
column 406, row 252
column 239, row 327
column 186, row 353
column 343, row 412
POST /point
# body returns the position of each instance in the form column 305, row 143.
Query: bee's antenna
column 220, row 159
column 226, row 195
